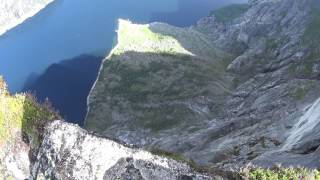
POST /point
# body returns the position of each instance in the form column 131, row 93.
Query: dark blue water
column 68, row 28
column 190, row 11
column 66, row 85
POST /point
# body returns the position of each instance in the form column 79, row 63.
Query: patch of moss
column 230, row 12
column 167, row 78
column 311, row 36
column 164, row 117
column 283, row 174
column 312, row 33
column 300, row 92
column 304, row 68
column 271, row 43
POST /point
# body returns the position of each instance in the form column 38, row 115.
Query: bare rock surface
column 69, row 152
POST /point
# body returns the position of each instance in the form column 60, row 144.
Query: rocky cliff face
column 69, row 152
column 240, row 86
column 14, row 12
column 22, row 121
column 33, row 146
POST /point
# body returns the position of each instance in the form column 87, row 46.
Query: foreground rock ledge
column 69, row 152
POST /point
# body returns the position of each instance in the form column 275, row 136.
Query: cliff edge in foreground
column 69, row 152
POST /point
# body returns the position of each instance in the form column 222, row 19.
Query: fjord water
column 68, row 28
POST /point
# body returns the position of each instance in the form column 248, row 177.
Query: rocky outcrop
column 14, row 158
column 22, row 120
column 231, row 90
column 14, row 12
column 69, row 152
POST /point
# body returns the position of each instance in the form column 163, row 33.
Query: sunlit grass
column 140, row 38
column 284, row 174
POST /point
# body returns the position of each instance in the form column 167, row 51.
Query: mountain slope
column 149, row 68
column 14, row 12
column 224, row 93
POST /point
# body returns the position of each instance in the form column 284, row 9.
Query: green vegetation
column 21, row 112
column 284, row 174
column 275, row 173
column 229, row 13
column 300, row 92
column 312, row 33
column 304, row 68
column 310, row 39
column 160, row 78
column 272, row 43
column 164, row 117
column 140, row 38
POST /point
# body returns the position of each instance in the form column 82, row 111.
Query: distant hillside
column 14, row 12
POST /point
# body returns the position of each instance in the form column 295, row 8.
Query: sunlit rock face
column 226, row 92
column 14, row 158
column 14, row 12
column 69, row 152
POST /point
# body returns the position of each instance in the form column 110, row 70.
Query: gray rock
column 69, row 152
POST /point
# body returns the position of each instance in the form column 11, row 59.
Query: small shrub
column 283, row 174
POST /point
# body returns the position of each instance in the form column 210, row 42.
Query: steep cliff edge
column 14, row 12
column 33, row 146
column 69, row 152
column 22, row 121
column 231, row 90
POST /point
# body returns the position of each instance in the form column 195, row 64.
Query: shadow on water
column 67, row 85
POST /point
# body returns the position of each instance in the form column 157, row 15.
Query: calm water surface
column 68, row 28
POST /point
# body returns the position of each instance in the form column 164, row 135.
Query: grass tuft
column 283, row 174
